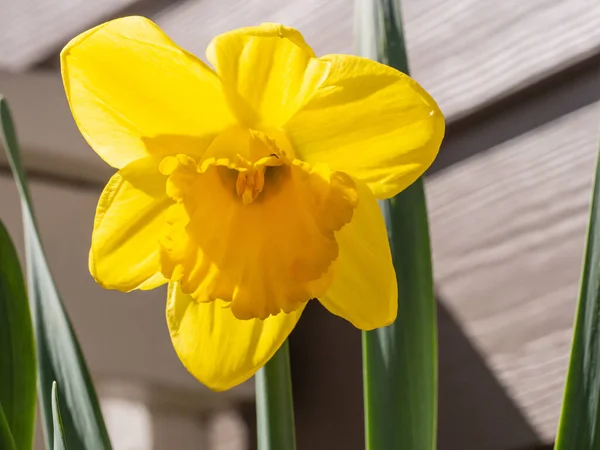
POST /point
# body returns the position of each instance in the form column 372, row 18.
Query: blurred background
column 519, row 83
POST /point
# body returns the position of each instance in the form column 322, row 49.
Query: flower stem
column 274, row 403
column 400, row 361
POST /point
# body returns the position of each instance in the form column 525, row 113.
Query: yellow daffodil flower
column 249, row 187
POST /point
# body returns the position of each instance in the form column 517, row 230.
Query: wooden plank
column 467, row 53
column 50, row 140
column 508, row 228
column 326, row 24
column 470, row 52
column 447, row 41
column 30, row 29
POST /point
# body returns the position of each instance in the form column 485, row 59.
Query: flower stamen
column 251, row 181
column 249, row 184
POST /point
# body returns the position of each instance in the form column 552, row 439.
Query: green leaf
column 400, row 361
column 17, row 348
column 59, row 432
column 579, row 427
column 59, row 355
column 6, row 439
column 379, row 32
column 274, row 403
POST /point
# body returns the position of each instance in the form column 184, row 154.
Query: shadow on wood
column 475, row 412
column 327, row 379
column 558, row 95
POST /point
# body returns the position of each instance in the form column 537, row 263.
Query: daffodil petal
column 364, row 289
column 130, row 216
column 153, row 282
column 369, row 121
column 127, row 82
column 218, row 349
column 268, row 72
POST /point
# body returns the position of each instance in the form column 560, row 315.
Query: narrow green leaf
column 59, row 432
column 6, row 439
column 400, row 361
column 274, row 403
column 17, row 348
column 579, row 427
column 59, row 355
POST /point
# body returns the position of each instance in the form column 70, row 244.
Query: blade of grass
column 59, row 354
column 274, row 404
column 6, row 439
column 17, row 348
column 59, row 432
column 579, row 426
column 400, row 361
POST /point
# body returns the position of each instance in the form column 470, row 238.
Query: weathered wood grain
column 470, row 52
column 31, row 29
column 50, row 141
column 508, row 229
column 466, row 53
column 446, row 42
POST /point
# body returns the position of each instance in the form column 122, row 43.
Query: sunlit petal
column 268, row 71
column 216, row 347
column 369, row 121
column 126, row 80
column 129, row 220
column 364, row 289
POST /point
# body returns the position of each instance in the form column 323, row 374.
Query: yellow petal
column 153, row 282
column 266, row 255
column 364, row 289
column 129, row 219
column 369, row 121
column 127, row 82
column 218, row 349
column 268, row 72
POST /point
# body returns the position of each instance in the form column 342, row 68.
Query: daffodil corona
column 250, row 187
